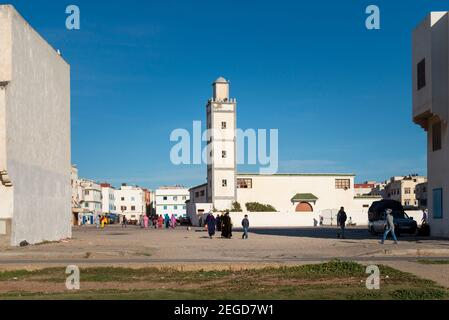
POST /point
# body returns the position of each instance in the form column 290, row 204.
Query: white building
column 130, row 202
column 92, row 198
column 108, row 199
column 430, row 70
column 35, row 166
column 172, row 200
column 309, row 194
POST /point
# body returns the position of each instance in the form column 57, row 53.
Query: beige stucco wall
column 431, row 103
column 38, row 133
column 278, row 190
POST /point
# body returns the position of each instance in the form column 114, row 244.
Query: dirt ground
column 192, row 249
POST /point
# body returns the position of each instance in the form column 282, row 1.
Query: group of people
column 156, row 222
column 389, row 225
column 223, row 223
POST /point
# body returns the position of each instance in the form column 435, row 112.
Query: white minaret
column 221, row 168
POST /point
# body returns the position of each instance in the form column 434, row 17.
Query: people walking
column 173, row 221
column 341, row 222
column 245, row 225
column 425, row 216
column 389, row 228
column 227, row 226
column 167, row 221
column 160, row 222
column 219, row 222
column 211, row 223
column 146, row 221
column 125, row 222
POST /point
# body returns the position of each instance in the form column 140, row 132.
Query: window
column 344, row 184
column 123, row 208
column 244, row 183
column 165, row 198
column 438, row 203
column 86, row 205
column 407, row 190
column 175, row 198
column 123, row 198
column 197, row 194
column 184, row 207
column 203, row 193
column 184, row 198
column 436, row 136
column 422, row 74
column 224, row 183
column 133, row 208
column 86, row 192
column 165, row 207
column 224, row 154
column 176, row 208
column 133, row 199
column 224, row 125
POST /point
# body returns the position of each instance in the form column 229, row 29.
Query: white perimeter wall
column 38, row 134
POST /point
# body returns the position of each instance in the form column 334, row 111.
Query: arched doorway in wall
column 304, row 207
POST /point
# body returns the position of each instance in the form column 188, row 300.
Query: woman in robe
column 173, row 221
column 211, row 223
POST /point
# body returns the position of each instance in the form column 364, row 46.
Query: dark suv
column 377, row 218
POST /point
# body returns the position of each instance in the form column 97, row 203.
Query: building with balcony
column 172, row 201
column 404, row 190
column 430, row 69
column 35, row 166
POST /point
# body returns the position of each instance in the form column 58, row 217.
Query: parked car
column 113, row 218
column 184, row 221
column 377, row 218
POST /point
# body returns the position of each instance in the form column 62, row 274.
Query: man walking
column 341, row 222
column 389, row 227
column 245, row 225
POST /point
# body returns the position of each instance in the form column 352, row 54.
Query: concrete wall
column 38, row 132
column 431, row 104
column 278, row 190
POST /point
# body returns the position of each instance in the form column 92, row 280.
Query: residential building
column 130, row 202
column 35, row 164
column 403, row 190
column 297, row 193
column 92, row 197
column 108, row 199
column 363, row 189
column 172, row 200
column 421, row 195
column 430, row 69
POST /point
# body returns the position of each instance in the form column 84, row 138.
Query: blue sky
column 339, row 94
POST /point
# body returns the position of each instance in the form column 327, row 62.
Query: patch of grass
column 434, row 262
column 420, row 294
column 334, row 280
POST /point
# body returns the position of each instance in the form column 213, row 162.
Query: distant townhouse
column 431, row 111
column 421, row 195
column 363, row 189
column 92, row 201
column 130, row 202
column 403, row 189
column 108, row 205
column 172, row 200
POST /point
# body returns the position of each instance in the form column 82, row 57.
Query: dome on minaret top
column 221, row 80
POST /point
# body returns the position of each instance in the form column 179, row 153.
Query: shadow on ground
column 331, row 233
